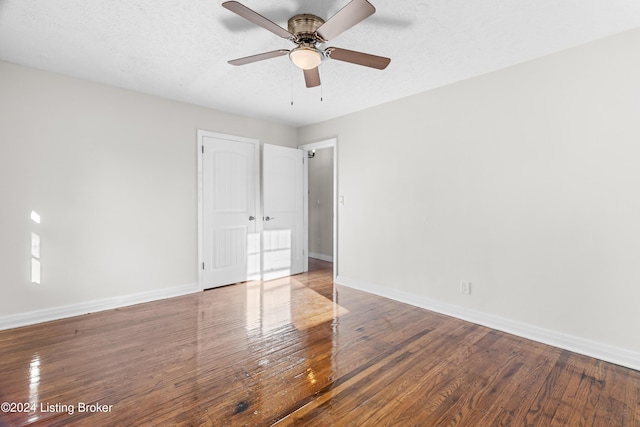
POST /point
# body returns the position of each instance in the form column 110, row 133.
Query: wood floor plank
column 615, row 395
column 531, row 364
column 300, row 351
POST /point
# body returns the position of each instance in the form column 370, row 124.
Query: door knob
column 251, row 218
column 268, row 218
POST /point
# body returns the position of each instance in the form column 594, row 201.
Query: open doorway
column 321, row 197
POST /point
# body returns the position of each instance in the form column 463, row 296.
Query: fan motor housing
column 304, row 26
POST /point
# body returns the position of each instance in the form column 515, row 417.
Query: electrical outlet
column 465, row 287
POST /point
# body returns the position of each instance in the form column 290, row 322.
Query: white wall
column 525, row 181
column 113, row 175
column 321, row 204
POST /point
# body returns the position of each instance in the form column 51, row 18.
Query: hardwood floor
column 298, row 351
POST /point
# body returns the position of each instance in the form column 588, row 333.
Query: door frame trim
column 199, row 148
column 327, row 143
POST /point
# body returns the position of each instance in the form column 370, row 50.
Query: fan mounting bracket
column 304, row 26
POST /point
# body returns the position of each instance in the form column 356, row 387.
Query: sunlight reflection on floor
column 276, row 303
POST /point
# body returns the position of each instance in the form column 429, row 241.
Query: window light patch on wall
column 35, row 252
column 35, row 271
column 35, row 245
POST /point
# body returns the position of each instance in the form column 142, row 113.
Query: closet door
column 283, row 207
column 230, row 239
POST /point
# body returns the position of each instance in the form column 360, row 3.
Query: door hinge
column 203, row 149
column 203, row 265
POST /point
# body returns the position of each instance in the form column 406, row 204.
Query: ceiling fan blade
column 258, row 57
column 312, row 77
column 359, row 58
column 257, row 19
column 354, row 12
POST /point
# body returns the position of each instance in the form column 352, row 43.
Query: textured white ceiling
column 179, row 49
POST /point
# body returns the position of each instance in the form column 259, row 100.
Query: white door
column 231, row 238
column 283, row 207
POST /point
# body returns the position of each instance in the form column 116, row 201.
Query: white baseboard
column 322, row 257
column 56, row 313
column 590, row 348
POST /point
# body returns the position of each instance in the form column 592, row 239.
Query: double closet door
column 252, row 217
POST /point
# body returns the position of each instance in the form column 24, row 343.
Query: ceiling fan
column 308, row 32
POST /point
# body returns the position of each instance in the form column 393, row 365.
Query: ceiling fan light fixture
column 308, row 32
column 306, row 58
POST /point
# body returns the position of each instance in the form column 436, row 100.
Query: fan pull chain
column 291, row 81
column 321, row 85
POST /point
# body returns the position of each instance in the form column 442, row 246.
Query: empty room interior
column 435, row 222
